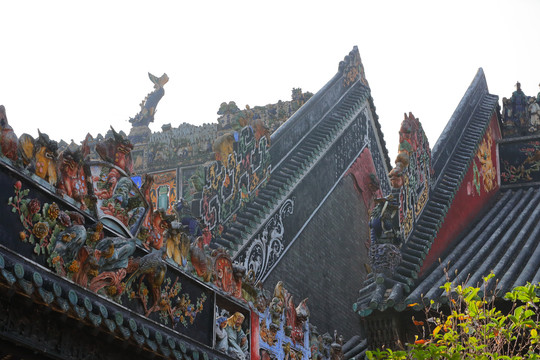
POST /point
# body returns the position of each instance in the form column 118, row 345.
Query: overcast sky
column 69, row 68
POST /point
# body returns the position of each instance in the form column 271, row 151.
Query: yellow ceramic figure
column 45, row 166
column 488, row 170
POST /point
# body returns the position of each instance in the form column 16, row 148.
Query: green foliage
column 473, row 328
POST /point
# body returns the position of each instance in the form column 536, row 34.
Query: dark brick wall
column 326, row 262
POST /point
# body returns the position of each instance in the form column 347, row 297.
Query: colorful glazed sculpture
column 223, row 146
column 223, row 270
column 39, row 156
column 201, row 260
column 8, row 139
column 521, row 114
column 238, row 342
column 178, row 243
column 150, row 102
column 72, row 181
column 116, row 150
column 222, row 340
column 153, row 268
column 160, row 223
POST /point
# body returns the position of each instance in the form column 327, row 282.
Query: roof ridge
column 473, row 116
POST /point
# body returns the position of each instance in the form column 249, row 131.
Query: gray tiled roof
column 506, row 240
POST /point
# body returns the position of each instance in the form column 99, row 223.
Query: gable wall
column 478, row 186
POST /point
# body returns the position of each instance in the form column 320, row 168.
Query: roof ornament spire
column 413, row 172
column 521, row 114
column 352, row 69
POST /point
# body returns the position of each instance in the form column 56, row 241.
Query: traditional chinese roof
column 452, row 156
column 355, row 348
column 504, row 240
column 59, row 295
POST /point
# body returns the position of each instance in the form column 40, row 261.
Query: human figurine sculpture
column 238, row 344
column 519, row 106
column 534, row 111
column 222, row 340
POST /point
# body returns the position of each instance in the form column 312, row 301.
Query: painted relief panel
column 412, row 174
column 181, row 304
column 111, row 266
column 283, row 330
column 479, row 185
column 163, row 192
column 242, row 166
column 520, row 162
column 484, row 166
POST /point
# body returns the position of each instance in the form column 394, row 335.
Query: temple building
column 283, row 231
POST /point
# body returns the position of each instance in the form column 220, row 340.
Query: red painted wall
column 479, row 184
column 361, row 170
column 255, row 336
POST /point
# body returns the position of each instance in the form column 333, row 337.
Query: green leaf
column 13, row 210
column 37, row 249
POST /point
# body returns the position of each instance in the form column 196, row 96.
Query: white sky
column 72, row 67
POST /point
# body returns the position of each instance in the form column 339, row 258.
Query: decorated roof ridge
column 381, row 292
column 42, row 287
column 287, row 174
column 350, row 71
column 379, row 131
column 455, row 127
column 348, row 67
column 505, row 240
